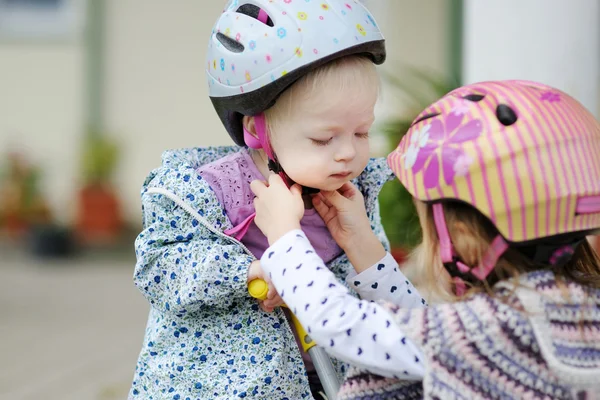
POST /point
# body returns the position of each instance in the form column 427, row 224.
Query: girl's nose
column 346, row 150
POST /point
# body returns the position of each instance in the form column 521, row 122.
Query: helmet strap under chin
column 261, row 141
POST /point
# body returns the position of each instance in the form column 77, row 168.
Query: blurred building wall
column 553, row 41
column 42, row 110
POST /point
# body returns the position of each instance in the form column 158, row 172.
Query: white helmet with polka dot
column 258, row 48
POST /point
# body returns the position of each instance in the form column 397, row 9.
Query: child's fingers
column 348, row 190
column 272, row 291
column 320, row 205
column 296, row 190
column 254, row 271
column 272, row 294
column 273, row 303
column 335, row 198
column 324, row 199
column 275, row 179
column 264, row 307
column 258, row 187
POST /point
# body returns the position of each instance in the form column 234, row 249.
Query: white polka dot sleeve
column 360, row 332
column 385, row 281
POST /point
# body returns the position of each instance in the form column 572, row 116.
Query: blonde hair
column 354, row 71
column 471, row 234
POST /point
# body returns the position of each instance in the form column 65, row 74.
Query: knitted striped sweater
column 538, row 344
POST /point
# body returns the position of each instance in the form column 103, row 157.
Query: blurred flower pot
column 98, row 214
column 15, row 225
column 50, row 241
column 99, row 218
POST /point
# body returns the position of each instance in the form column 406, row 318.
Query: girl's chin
column 327, row 187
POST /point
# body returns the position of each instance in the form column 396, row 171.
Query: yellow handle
column 258, row 289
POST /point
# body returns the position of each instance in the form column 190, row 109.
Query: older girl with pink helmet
column 506, row 179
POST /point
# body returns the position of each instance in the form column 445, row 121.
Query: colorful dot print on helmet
column 526, row 155
column 258, row 48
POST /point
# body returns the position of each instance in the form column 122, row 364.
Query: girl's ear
column 249, row 125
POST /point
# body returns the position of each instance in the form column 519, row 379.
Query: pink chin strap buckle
column 460, row 288
column 261, row 141
column 488, row 261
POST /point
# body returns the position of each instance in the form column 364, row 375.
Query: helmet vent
column 474, row 97
column 229, row 43
column 253, row 11
column 426, row 116
column 506, row 115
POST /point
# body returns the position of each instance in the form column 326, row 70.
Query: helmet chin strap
column 262, row 142
column 453, row 263
column 550, row 254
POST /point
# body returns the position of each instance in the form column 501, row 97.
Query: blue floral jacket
column 206, row 338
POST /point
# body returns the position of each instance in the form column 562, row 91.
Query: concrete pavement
column 69, row 329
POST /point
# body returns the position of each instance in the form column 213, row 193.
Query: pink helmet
column 526, row 155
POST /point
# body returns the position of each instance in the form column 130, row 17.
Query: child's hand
column 344, row 213
column 346, row 218
column 273, row 299
column 278, row 209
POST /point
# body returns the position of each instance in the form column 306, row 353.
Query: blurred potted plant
column 21, row 202
column 24, row 213
column 98, row 214
column 418, row 89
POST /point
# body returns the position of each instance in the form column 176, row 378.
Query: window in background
column 41, row 19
